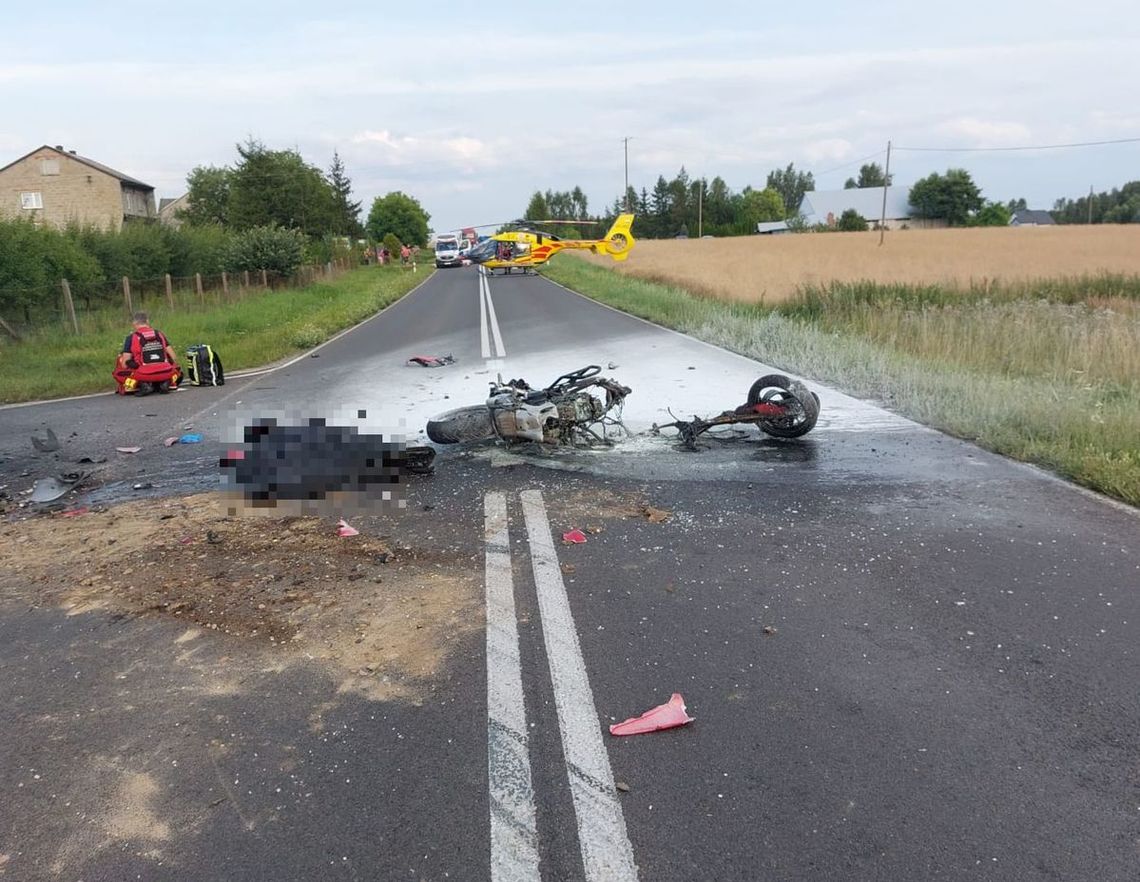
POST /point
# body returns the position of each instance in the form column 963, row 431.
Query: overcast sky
column 472, row 107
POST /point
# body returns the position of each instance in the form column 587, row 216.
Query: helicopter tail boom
column 619, row 240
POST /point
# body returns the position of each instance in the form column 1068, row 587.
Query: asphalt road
column 906, row 658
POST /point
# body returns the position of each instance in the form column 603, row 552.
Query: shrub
column 271, row 248
column 852, row 222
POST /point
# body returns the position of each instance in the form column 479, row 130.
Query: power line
column 874, row 155
column 1006, row 149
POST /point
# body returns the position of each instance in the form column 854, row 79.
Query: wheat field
column 772, row 268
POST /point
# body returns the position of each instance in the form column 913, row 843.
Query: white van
column 447, row 251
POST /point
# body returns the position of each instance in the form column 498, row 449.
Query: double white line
column 607, row 855
column 488, row 321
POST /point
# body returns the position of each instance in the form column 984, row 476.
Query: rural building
column 168, row 210
column 54, row 186
column 827, row 206
column 1031, row 217
column 771, row 228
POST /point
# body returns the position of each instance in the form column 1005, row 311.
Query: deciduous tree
column 870, row 175
column 952, row 197
column 791, row 185
column 401, row 215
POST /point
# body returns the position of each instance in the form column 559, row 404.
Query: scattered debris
column 622, row 786
column 190, row 439
column 432, row 361
column 92, row 460
column 385, row 557
column 128, row 449
column 75, row 512
column 51, row 489
column 664, row 716
column 213, row 538
column 655, row 515
column 574, row 537
column 769, row 630
column 344, row 529
column 568, row 569
column 171, row 441
column 145, row 485
column 185, row 540
column 50, row 444
column 595, row 529
column 611, row 366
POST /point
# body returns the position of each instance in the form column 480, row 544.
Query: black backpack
column 203, row 367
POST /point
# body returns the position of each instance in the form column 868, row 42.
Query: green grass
column 259, row 330
column 1047, row 373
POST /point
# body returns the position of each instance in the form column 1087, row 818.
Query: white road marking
column 514, row 837
column 488, row 321
column 607, row 854
column 484, row 343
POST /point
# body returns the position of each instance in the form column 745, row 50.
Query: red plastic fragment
column 344, row 529
column 575, row 537
column 74, row 512
column 664, row 716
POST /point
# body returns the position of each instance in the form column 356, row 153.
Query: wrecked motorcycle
column 565, row 412
column 777, row 405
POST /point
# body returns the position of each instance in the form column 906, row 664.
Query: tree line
column 278, row 188
column 270, row 210
column 686, row 206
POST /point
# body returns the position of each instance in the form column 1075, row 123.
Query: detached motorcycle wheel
column 809, row 401
column 462, row 426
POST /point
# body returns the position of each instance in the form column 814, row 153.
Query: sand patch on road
column 384, row 610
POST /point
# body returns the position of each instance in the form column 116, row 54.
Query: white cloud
column 986, row 133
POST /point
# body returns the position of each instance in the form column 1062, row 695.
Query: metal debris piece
column 50, row 489
column 432, row 361
column 50, row 444
column 128, row 449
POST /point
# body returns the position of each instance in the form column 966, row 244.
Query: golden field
column 771, row 268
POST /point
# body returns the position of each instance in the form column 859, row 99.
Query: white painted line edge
column 484, row 343
column 495, row 323
column 607, row 854
column 514, row 834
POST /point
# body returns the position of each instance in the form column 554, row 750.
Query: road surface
column 906, row 658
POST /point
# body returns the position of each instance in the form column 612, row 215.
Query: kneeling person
column 148, row 361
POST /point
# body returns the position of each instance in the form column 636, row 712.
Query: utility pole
column 1090, row 204
column 886, row 183
column 625, row 193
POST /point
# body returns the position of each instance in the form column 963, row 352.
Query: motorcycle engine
column 581, row 409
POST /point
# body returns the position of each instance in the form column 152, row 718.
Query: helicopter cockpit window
column 483, row 251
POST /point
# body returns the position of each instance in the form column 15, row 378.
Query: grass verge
column 257, row 331
column 1047, row 377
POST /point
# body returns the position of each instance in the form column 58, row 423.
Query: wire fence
column 58, row 308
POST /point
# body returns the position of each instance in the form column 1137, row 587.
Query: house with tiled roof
column 54, row 186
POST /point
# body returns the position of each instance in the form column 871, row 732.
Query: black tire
column 462, row 426
column 767, row 382
column 809, row 402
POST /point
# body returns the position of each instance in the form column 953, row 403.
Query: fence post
column 127, row 295
column 225, row 284
column 12, row 332
column 198, row 285
column 169, row 291
column 69, row 303
column 245, row 278
column 264, row 279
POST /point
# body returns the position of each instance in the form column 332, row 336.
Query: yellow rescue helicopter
column 526, row 248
